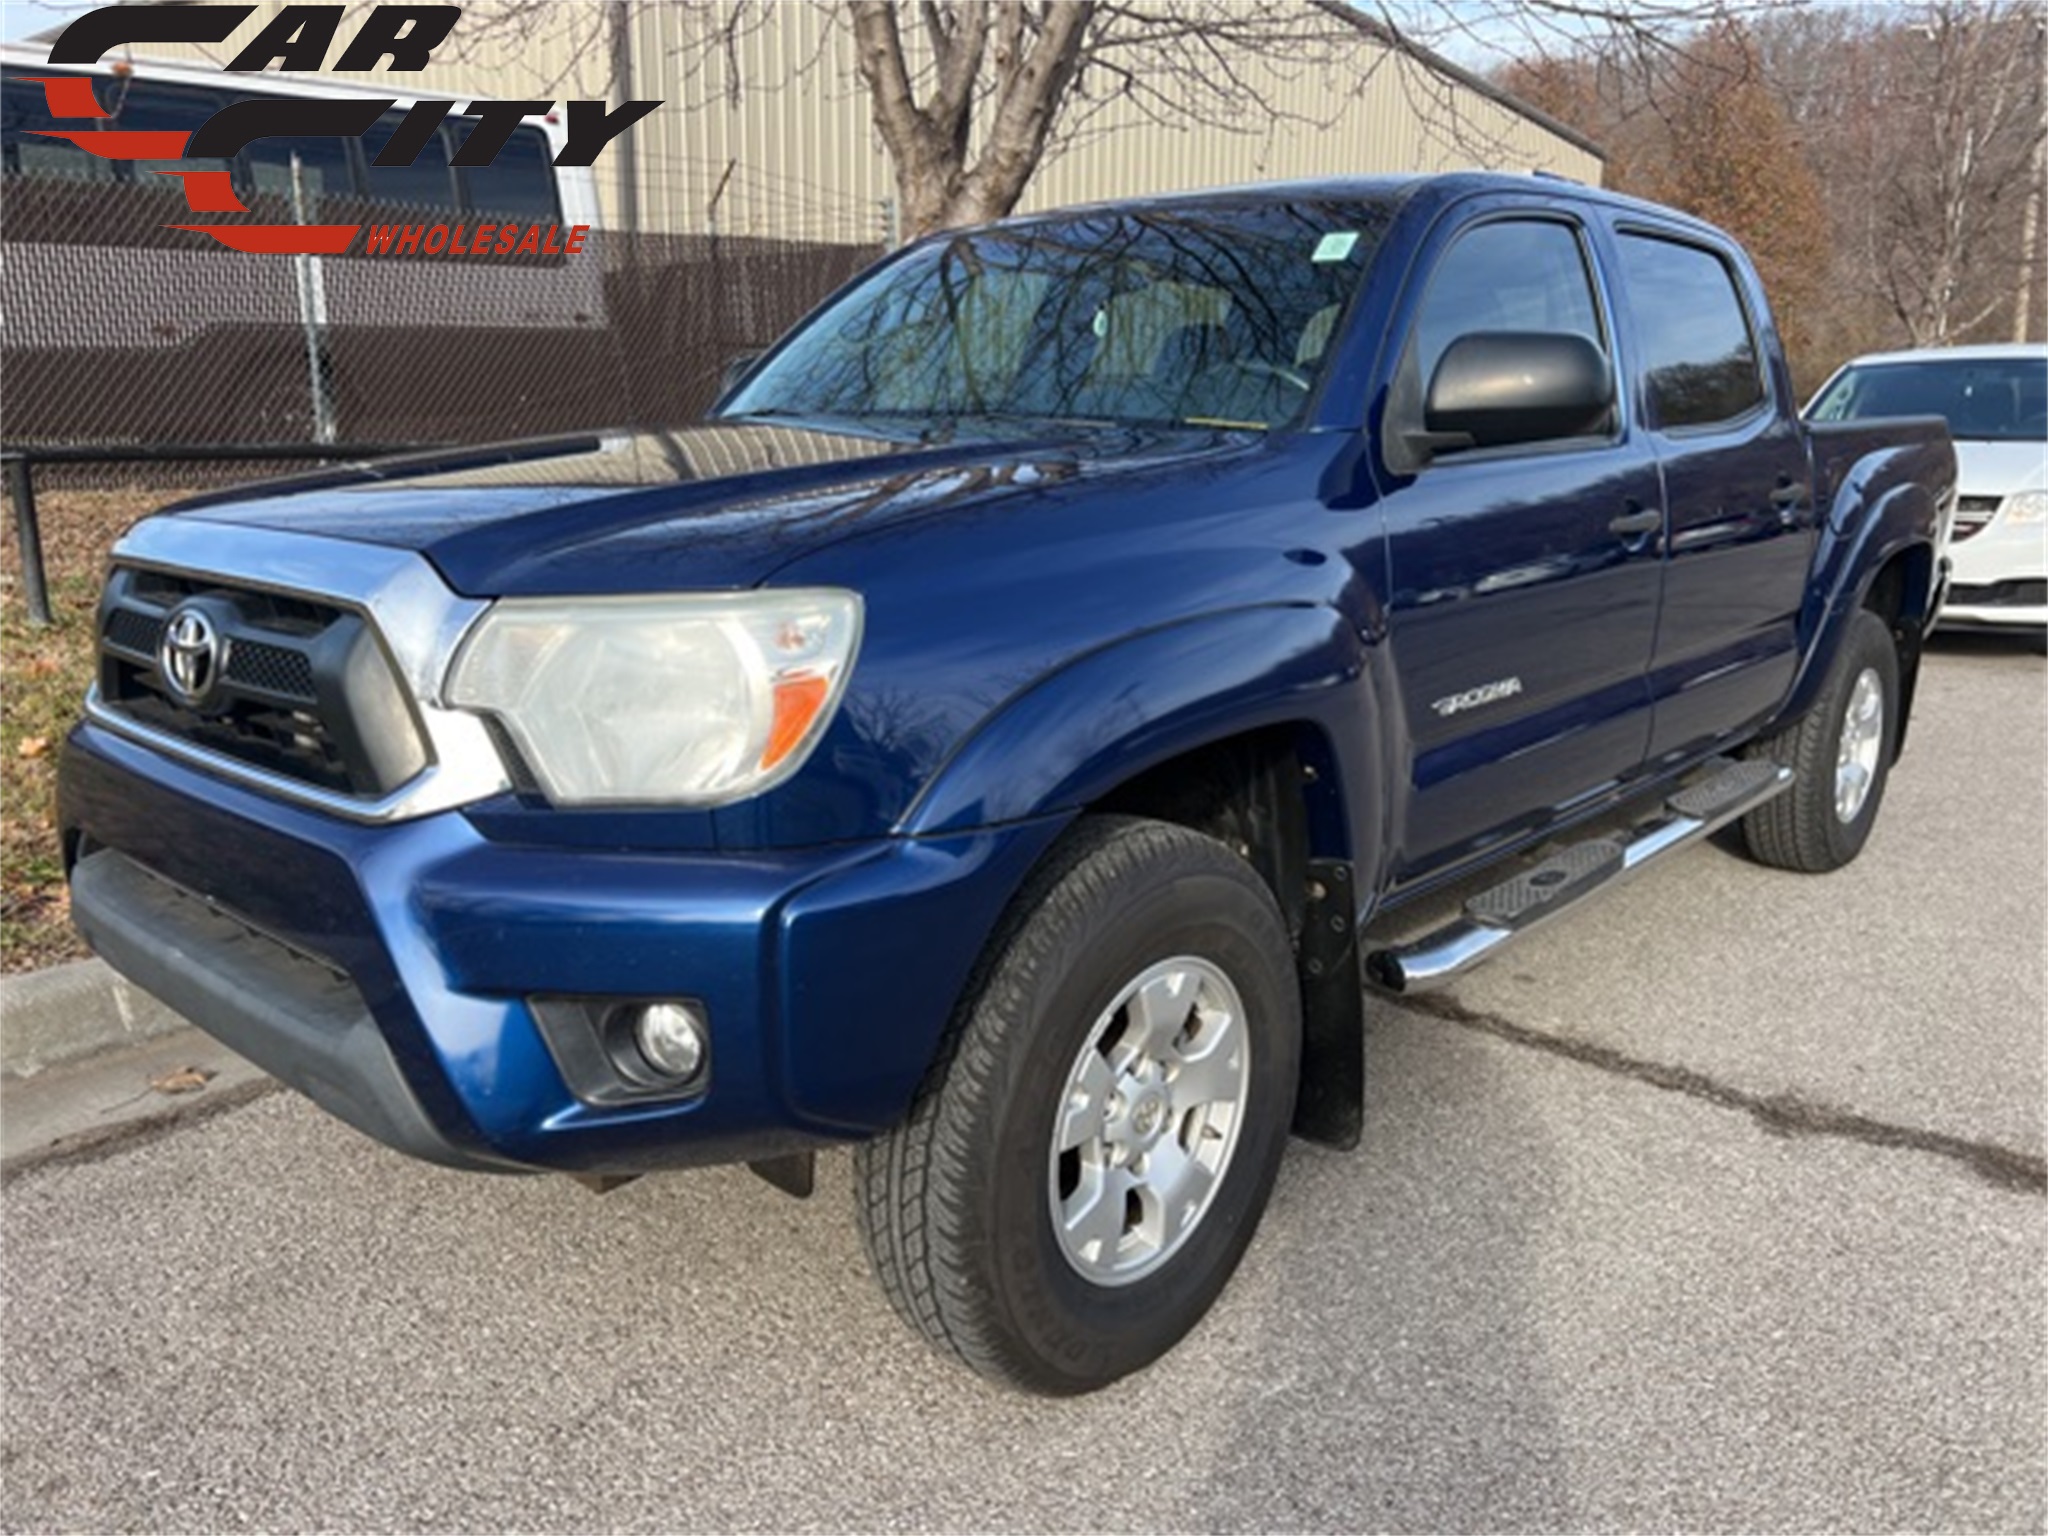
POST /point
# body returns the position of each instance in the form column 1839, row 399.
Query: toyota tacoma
column 984, row 738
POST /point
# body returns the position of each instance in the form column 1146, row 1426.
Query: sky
column 18, row 18
column 1479, row 34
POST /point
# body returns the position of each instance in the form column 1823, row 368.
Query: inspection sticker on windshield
column 1336, row 245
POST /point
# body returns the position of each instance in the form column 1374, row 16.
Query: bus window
column 22, row 112
column 323, row 169
column 520, row 182
column 145, row 106
column 427, row 183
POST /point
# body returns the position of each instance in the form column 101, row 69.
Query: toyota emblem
column 188, row 656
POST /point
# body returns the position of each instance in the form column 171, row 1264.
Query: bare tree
column 969, row 98
column 969, row 105
column 2029, row 275
column 1967, row 76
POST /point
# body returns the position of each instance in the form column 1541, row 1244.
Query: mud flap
column 1330, row 1106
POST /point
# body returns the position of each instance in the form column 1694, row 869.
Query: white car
column 1996, row 402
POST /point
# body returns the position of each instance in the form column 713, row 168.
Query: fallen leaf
column 32, row 746
column 182, row 1080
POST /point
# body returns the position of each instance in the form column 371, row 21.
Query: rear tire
column 1088, row 1159
column 1841, row 753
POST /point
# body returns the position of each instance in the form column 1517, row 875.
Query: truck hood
column 720, row 505
column 2000, row 469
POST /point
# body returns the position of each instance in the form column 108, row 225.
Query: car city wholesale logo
column 298, row 38
column 188, row 657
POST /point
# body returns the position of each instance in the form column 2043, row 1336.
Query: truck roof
column 1443, row 186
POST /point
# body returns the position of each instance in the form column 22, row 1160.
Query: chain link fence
column 122, row 332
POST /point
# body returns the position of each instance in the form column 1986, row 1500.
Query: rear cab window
column 1701, row 366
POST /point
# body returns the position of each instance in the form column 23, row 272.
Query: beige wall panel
column 799, row 158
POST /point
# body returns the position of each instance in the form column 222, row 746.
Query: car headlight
column 696, row 700
column 2027, row 508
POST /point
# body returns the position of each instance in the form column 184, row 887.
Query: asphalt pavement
column 1715, row 1205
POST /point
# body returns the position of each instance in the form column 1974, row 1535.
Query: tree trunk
column 2030, row 221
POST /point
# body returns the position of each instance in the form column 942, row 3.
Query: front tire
column 1841, row 753
column 1086, row 1163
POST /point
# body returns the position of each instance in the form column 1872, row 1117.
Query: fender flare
column 1859, row 539
column 1102, row 718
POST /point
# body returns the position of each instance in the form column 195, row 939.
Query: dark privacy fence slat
column 122, row 332
column 136, row 353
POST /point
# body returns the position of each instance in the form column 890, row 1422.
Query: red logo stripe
column 279, row 239
column 122, row 144
column 68, row 95
column 209, row 191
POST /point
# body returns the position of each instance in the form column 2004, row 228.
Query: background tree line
column 1884, row 165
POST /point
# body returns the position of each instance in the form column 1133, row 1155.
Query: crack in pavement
column 99, row 1143
column 1782, row 1114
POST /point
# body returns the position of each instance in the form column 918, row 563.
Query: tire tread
column 1796, row 830
column 916, row 1205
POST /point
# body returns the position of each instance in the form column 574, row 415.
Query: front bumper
column 1998, row 579
column 386, row 970
column 1997, row 605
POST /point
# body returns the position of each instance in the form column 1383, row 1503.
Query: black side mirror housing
column 1493, row 389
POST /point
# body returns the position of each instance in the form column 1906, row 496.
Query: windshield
column 1991, row 400
column 1218, row 316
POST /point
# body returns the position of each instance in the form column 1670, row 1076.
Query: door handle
column 1642, row 520
column 1789, row 493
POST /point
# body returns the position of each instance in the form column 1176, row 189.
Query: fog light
column 671, row 1040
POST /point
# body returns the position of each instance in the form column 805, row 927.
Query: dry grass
column 43, row 677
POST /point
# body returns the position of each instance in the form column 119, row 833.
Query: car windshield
column 1219, row 315
column 1991, row 400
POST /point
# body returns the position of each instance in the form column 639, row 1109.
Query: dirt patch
column 44, row 673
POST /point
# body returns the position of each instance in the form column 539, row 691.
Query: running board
column 1494, row 917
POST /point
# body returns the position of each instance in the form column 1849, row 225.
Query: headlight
column 2024, row 509
column 696, row 700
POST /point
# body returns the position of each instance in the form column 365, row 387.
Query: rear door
column 1737, row 487
column 1524, row 581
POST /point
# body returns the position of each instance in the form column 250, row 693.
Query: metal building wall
column 774, row 138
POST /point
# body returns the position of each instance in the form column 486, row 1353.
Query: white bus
column 121, row 328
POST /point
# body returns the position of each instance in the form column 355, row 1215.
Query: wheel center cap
column 1147, row 1116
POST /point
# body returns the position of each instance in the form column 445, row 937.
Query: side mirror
column 736, row 369
column 1492, row 389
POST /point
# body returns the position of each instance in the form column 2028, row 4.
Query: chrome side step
column 1491, row 919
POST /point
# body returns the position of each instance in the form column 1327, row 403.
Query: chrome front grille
column 267, row 668
column 292, row 685
column 328, row 693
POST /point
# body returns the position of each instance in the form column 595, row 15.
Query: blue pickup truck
column 986, row 739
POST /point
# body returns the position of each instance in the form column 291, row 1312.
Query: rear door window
column 1701, row 364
